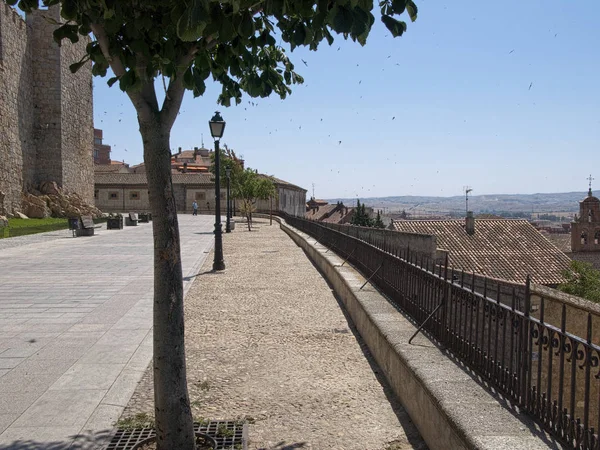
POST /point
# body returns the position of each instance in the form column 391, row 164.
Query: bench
column 83, row 226
column 145, row 217
column 115, row 222
column 131, row 220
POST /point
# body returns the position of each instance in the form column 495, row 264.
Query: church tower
column 585, row 229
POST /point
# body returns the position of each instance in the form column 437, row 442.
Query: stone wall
column 17, row 146
column 46, row 121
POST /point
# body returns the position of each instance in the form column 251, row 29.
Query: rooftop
column 508, row 249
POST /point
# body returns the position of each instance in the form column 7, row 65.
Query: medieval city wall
column 17, row 146
column 46, row 113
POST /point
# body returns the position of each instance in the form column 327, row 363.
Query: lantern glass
column 217, row 126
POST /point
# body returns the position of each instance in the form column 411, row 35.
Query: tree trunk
column 174, row 424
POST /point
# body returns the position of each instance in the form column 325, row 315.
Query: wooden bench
column 131, row 220
column 145, row 217
column 85, row 226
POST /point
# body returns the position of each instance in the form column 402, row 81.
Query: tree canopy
column 360, row 216
column 582, row 280
column 250, row 187
column 188, row 41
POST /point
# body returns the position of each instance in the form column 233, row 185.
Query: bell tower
column 585, row 229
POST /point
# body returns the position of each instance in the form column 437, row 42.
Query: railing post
column 525, row 344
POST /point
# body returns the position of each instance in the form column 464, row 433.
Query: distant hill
column 502, row 204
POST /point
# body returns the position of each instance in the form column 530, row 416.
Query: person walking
column 195, row 208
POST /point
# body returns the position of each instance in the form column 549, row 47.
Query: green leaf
column 246, row 27
column 127, row 80
column 411, row 7
column 342, row 19
column 76, row 66
column 193, row 21
column 226, row 30
column 398, row 6
column 396, row 27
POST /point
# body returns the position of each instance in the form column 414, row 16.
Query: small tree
column 250, row 187
column 582, row 280
column 360, row 216
column 378, row 222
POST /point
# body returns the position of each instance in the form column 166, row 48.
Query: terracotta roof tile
column 505, row 249
column 107, row 168
column 203, row 179
column 318, row 214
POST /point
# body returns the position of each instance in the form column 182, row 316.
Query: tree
column 250, row 187
column 378, row 223
column 582, row 280
column 360, row 216
column 178, row 45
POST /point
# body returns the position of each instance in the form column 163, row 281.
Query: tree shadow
column 283, row 446
column 86, row 440
column 206, row 272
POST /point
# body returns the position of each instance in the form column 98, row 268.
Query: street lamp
column 228, row 223
column 217, row 126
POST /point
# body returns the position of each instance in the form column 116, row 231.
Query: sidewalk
column 75, row 330
column 268, row 341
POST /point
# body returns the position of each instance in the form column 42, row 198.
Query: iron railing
column 546, row 369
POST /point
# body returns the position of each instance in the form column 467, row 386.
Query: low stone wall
column 449, row 407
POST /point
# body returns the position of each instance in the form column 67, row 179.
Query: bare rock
column 50, row 187
column 20, row 215
column 36, row 211
column 3, row 221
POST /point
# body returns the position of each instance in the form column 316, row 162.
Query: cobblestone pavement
column 268, row 341
column 75, row 329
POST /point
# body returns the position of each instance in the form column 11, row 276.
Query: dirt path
column 268, row 341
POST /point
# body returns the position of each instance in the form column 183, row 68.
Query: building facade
column 101, row 151
column 128, row 192
column 46, row 120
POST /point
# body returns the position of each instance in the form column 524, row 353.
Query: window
column 584, row 237
column 98, row 141
column 96, row 154
column 113, row 195
column 597, row 237
column 200, row 196
column 96, row 193
column 135, row 195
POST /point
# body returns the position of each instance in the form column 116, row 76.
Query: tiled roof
column 506, row 249
column 561, row 240
column 340, row 216
column 107, row 168
column 318, row 214
column 204, row 179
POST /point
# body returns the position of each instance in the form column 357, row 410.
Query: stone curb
column 449, row 407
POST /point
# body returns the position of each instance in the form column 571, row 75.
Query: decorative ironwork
column 534, row 356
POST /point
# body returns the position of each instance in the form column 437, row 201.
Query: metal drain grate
column 235, row 438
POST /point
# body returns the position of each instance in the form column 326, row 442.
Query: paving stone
column 84, row 328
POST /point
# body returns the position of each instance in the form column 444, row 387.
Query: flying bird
column 530, row 86
column 511, row 51
column 305, row 63
column 339, row 142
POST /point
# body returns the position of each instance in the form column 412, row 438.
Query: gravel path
column 268, row 341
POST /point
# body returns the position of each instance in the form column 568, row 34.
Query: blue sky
column 502, row 97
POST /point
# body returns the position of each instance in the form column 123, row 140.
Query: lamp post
column 217, row 126
column 228, row 223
